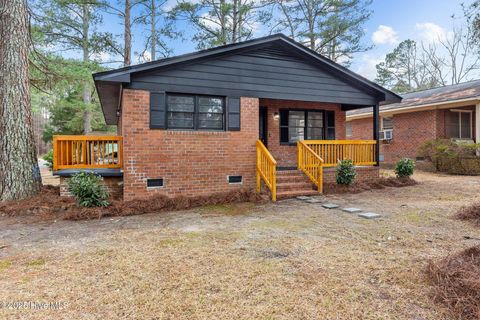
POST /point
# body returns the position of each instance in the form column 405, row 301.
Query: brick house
column 449, row 112
column 267, row 112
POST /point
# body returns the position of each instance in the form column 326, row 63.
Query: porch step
column 295, row 193
column 293, row 183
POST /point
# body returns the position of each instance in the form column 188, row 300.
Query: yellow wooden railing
column 266, row 169
column 361, row 152
column 87, row 152
column 311, row 164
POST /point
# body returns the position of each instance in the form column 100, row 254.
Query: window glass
column 454, row 124
column 387, row 123
column 465, row 127
column 314, row 125
column 181, row 103
column 195, row 112
column 296, row 126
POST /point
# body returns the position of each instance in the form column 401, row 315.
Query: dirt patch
column 469, row 213
column 161, row 203
column 456, row 283
column 47, row 204
column 381, row 183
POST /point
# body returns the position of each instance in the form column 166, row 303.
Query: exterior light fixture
column 276, row 116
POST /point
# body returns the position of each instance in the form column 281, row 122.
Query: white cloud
column 367, row 66
column 431, row 32
column 385, row 35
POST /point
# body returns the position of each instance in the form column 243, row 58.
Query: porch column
column 376, row 135
column 477, row 125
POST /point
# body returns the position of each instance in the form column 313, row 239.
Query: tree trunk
column 86, row 95
column 153, row 37
column 19, row 172
column 127, row 50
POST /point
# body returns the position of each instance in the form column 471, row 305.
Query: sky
column 391, row 22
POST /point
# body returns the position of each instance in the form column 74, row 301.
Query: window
column 459, row 124
column 298, row 125
column 349, row 129
column 387, row 123
column 195, row 112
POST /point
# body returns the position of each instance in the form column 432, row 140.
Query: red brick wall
column 114, row 186
column 363, row 174
column 286, row 155
column 190, row 162
column 410, row 130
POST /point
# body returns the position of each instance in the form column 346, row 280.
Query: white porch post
column 477, row 125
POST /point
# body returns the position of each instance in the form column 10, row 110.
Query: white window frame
column 460, row 123
column 381, row 126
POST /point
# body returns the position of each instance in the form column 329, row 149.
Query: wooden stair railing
column 311, row 164
column 266, row 169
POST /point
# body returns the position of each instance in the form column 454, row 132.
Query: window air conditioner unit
column 386, row 134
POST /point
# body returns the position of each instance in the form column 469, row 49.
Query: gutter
column 416, row 108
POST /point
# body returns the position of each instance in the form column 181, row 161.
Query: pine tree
column 19, row 172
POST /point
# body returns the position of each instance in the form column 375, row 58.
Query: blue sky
column 391, row 22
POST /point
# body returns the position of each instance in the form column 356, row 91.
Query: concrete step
column 292, row 178
column 295, row 193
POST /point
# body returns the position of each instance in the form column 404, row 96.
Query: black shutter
column 157, row 110
column 233, row 114
column 284, row 126
column 330, row 125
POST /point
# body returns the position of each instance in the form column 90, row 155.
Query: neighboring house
column 449, row 112
column 228, row 118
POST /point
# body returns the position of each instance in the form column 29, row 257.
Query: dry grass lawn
column 289, row 260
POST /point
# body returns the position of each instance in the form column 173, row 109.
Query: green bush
column 404, row 168
column 48, row 157
column 88, row 190
column 452, row 157
column 345, row 173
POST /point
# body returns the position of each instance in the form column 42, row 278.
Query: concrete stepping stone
column 313, row 200
column 303, row 198
column 369, row 215
column 352, row 210
column 330, row 205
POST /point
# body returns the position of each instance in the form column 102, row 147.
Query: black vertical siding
column 263, row 73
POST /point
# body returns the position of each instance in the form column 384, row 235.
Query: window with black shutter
column 186, row 111
column 298, row 125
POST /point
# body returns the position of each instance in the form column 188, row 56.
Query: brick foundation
column 363, row 174
column 114, row 186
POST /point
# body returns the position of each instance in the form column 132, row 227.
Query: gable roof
column 419, row 99
column 108, row 82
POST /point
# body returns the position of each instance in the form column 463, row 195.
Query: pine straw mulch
column 357, row 187
column 49, row 205
column 469, row 213
column 456, row 283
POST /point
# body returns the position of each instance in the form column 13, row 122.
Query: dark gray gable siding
column 263, row 73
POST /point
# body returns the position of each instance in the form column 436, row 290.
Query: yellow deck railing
column 311, row 164
column 361, row 152
column 266, row 169
column 87, row 152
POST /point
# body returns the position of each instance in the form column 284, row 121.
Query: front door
column 263, row 133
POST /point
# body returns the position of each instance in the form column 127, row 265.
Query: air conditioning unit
column 386, row 134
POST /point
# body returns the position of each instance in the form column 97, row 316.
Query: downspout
column 376, row 135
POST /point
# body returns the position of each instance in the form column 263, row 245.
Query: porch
column 313, row 157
